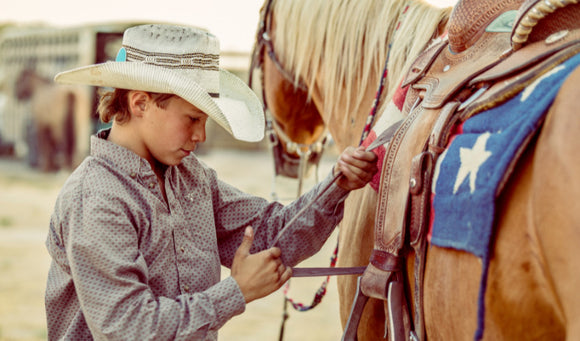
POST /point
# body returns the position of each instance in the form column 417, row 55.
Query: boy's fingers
column 275, row 252
column 247, row 241
column 286, row 275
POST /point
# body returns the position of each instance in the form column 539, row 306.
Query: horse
column 52, row 140
column 531, row 274
column 322, row 75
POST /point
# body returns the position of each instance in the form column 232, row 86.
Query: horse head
column 27, row 83
column 24, row 86
column 325, row 70
column 295, row 129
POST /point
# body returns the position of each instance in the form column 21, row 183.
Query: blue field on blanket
column 469, row 172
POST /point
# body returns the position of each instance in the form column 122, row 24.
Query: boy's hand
column 259, row 274
column 357, row 166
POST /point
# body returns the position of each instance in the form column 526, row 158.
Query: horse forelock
column 343, row 45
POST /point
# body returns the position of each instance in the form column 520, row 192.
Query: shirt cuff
column 228, row 300
column 333, row 197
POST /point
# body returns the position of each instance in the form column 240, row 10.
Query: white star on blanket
column 471, row 160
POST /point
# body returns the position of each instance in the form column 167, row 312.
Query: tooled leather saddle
column 483, row 63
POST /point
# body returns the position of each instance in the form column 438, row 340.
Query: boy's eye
column 194, row 119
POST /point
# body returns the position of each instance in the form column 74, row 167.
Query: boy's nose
column 198, row 135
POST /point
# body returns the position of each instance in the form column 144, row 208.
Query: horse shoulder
column 533, row 276
column 556, row 206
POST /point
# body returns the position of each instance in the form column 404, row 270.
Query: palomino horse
column 321, row 64
column 52, row 119
column 531, row 267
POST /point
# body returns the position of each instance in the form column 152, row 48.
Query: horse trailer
column 47, row 51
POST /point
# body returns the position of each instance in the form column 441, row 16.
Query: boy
column 141, row 227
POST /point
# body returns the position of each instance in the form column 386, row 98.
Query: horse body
column 52, row 119
column 532, row 275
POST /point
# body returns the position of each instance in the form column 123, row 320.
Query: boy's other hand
column 357, row 167
column 258, row 274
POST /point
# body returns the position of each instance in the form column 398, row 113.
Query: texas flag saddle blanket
column 469, row 173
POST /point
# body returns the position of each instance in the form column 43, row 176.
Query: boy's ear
column 138, row 101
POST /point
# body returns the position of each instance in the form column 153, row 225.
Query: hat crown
column 191, row 52
column 168, row 39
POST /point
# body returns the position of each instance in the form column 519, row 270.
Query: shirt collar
column 118, row 156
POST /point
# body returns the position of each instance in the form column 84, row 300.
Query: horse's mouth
column 289, row 165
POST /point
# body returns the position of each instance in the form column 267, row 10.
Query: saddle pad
column 469, row 173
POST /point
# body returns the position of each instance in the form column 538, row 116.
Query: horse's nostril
column 291, row 147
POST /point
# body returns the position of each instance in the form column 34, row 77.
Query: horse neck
column 415, row 29
column 346, row 121
column 342, row 66
column 40, row 81
column 34, row 81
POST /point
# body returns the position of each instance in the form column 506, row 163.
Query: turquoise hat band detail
column 121, row 55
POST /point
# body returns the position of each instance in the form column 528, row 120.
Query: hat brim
column 237, row 109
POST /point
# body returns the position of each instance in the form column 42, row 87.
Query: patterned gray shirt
column 129, row 265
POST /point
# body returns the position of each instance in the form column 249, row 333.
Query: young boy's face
column 172, row 133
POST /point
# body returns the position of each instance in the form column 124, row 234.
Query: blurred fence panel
column 48, row 51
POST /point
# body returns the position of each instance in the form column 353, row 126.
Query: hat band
column 201, row 61
column 198, row 63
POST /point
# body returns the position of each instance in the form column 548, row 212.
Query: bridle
column 278, row 140
column 263, row 40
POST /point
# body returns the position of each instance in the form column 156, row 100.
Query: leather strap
column 419, row 270
column 422, row 169
column 358, row 305
column 313, row 272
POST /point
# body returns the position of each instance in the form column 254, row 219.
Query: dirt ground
column 26, row 201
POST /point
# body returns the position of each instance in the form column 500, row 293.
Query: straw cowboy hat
column 183, row 61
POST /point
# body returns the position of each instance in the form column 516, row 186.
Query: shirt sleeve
column 235, row 210
column 111, row 280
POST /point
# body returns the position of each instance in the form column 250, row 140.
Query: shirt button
column 151, row 185
column 182, row 249
column 186, row 288
column 133, row 175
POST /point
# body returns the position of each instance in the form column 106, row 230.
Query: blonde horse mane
column 344, row 42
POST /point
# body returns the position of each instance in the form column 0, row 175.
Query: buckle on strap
column 386, row 261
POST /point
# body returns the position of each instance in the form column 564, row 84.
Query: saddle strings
column 375, row 106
